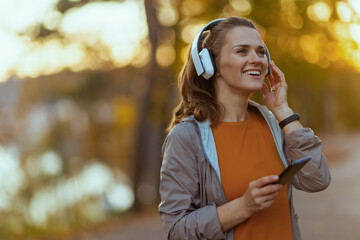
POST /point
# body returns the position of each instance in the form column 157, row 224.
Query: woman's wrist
column 233, row 213
column 283, row 113
column 244, row 211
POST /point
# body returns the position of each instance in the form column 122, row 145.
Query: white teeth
column 252, row 73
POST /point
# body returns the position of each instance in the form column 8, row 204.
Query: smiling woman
column 222, row 150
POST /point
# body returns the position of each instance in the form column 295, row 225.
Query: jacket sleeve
column 315, row 175
column 180, row 208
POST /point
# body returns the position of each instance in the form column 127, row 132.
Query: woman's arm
column 276, row 99
column 180, row 206
column 315, row 175
column 299, row 142
column 260, row 195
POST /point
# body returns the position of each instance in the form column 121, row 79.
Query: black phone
column 293, row 168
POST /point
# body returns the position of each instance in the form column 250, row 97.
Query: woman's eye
column 261, row 53
column 242, row 51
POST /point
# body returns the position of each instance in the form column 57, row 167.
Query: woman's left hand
column 276, row 98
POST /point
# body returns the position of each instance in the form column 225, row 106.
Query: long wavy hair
column 198, row 95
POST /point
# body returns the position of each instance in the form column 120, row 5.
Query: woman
column 223, row 153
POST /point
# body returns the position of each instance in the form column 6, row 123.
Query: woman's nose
column 254, row 57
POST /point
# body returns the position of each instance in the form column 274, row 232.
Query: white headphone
column 203, row 61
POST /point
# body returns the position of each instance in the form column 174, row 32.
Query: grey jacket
column 190, row 183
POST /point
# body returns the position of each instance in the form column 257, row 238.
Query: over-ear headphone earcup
column 268, row 70
column 207, row 63
column 203, row 62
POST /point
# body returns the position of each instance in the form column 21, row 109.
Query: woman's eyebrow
column 242, row 45
column 260, row 47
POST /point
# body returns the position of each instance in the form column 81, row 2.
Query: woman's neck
column 236, row 107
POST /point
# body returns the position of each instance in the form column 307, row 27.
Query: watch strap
column 288, row 120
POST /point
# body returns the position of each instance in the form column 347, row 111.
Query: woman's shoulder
column 187, row 128
column 183, row 134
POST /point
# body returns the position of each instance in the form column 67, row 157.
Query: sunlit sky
column 118, row 26
column 118, row 30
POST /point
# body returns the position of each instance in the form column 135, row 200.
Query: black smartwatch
column 288, row 120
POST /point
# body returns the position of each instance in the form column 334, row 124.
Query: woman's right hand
column 260, row 194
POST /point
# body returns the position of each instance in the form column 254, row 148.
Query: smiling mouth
column 253, row 73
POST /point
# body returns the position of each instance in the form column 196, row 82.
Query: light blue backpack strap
column 208, row 145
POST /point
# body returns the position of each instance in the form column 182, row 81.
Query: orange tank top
column 246, row 152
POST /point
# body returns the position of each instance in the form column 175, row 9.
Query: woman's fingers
column 269, row 189
column 266, row 199
column 261, row 182
column 265, row 90
column 261, row 193
column 277, row 74
column 265, row 191
column 271, row 77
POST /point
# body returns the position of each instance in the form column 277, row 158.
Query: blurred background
column 87, row 89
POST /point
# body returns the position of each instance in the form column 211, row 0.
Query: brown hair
column 198, row 96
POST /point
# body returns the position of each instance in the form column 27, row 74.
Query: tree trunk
column 142, row 144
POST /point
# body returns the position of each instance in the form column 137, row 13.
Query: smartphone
column 293, row 168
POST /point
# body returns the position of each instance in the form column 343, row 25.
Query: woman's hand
column 276, row 98
column 260, row 194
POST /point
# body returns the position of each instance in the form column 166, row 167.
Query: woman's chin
column 255, row 87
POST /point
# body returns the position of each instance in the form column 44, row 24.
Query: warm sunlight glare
column 11, row 48
column 11, row 175
column 18, row 15
column 319, row 12
column 165, row 55
column 51, row 163
column 309, row 47
column 189, row 31
column 341, row 30
column 243, row 7
column 355, row 4
column 117, row 25
column 288, row 6
column 343, row 11
column 191, row 8
column 355, row 32
column 168, row 16
column 49, row 57
column 114, row 29
column 95, row 179
column 295, row 21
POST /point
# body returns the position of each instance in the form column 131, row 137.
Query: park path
column 335, row 212
column 331, row 214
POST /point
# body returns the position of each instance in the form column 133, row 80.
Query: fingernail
column 276, row 177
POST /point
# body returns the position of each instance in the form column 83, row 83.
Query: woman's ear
column 217, row 72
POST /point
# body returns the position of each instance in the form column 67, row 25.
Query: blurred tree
column 142, row 149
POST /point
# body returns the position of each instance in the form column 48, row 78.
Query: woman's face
column 242, row 62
